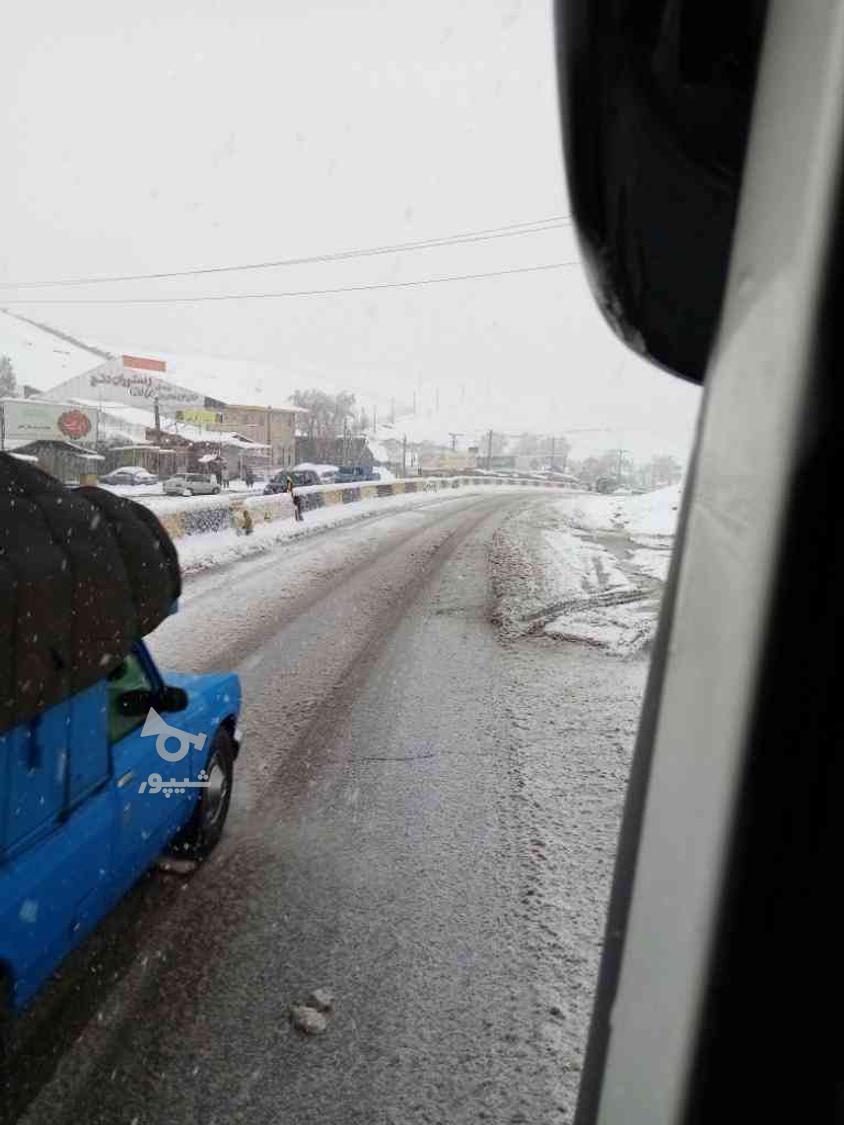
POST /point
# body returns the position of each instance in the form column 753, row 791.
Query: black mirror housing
column 655, row 102
column 172, row 699
column 136, row 702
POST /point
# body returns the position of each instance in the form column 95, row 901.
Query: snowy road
column 424, row 821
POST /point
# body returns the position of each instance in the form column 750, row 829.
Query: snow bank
column 622, row 629
column 198, row 553
column 652, row 561
column 650, row 514
column 610, row 598
column 654, row 513
column 580, row 567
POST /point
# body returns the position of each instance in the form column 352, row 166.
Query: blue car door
column 147, row 815
column 58, row 836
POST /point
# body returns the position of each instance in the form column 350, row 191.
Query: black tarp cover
column 83, row 574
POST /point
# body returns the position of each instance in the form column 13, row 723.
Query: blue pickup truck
column 105, row 762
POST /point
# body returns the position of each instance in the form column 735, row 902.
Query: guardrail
column 237, row 510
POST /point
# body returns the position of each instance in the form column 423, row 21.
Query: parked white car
column 132, row 475
column 192, row 484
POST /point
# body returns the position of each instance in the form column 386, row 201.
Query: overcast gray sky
column 184, row 133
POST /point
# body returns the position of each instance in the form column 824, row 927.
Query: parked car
column 354, row 474
column 325, row 472
column 606, row 484
column 300, row 478
column 129, row 475
column 192, row 484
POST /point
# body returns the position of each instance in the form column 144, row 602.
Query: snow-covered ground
column 148, row 492
column 199, row 553
column 593, row 568
column 651, row 514
column 620, row 582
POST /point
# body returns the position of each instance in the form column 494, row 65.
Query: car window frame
column 139, row 653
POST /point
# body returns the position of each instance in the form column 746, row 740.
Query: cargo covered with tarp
column 83, row 574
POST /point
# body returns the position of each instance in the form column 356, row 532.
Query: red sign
column 74, row 424
column 142, row 364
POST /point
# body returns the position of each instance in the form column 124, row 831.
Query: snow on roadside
column 651, row 514
column 579, row 566
column 652, row 561
column 203, row 552
column 623, row 624
column 621, row 629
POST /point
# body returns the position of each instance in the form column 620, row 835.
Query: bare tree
column 8, row 382
column 328, row 414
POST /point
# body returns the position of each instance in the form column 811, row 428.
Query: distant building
column 129, row 381
column 348, row 450
column 128, row 392
column 274, row 426
column 133, row 410
column 441, row 459
column 65, row 460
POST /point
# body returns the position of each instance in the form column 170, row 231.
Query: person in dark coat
column 297, row 500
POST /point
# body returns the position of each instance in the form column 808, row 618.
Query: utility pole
column 157, row 413
column 489, row 450
column 404, row 455
column 553, row 451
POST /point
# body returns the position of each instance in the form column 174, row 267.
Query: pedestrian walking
column 297, row 500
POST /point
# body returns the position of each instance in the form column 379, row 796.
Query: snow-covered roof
column 321, row 470
column 41, row 358
column 136, row 416
column 133, row 415
column 232, row 381
column 71, row 446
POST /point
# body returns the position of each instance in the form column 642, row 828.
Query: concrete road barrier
column 203, row 514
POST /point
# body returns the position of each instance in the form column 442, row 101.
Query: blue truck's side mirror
column 135, row 702
column 172, row 699
column 138, row 702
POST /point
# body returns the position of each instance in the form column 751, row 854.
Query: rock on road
column 423, row 827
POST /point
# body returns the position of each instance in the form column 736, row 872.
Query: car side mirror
column 135, row 702
column 138, row 701
column 172, row 699
column 655, row 100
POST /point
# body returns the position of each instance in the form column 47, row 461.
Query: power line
column 288, row 293
column 511, row 230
